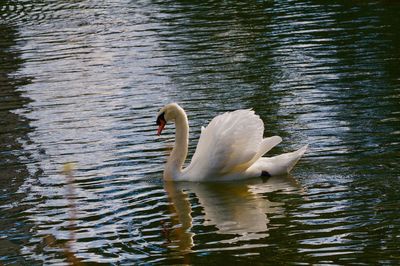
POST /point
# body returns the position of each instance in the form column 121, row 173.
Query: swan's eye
column 161, row 119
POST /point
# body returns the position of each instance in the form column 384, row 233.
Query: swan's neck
column 173, row 168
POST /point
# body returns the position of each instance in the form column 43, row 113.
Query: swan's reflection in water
column 239, row 211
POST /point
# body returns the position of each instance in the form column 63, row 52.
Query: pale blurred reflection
column 237, row 209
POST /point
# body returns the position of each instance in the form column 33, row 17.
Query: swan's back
column 227, row 145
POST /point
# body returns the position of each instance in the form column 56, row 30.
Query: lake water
column 82, row 81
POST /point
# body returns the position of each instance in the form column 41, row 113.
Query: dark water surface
column 81, row 81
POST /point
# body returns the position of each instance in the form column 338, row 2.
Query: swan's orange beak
column 160, row 123
column 160, row 128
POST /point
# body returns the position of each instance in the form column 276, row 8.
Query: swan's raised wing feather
column 229, row 143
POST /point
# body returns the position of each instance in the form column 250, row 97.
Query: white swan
column 230, row 148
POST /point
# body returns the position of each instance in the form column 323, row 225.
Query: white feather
column 230, row 143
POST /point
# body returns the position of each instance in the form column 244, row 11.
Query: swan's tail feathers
column 294, row 157
column 282, row 164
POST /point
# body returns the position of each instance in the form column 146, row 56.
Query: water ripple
column 82, row 82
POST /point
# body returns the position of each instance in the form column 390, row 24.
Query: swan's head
column 167, row 113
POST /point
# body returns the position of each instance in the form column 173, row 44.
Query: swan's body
column 230, row 148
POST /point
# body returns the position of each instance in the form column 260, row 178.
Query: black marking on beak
column 161, row 119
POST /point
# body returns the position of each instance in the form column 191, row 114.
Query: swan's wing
column 229, row 143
